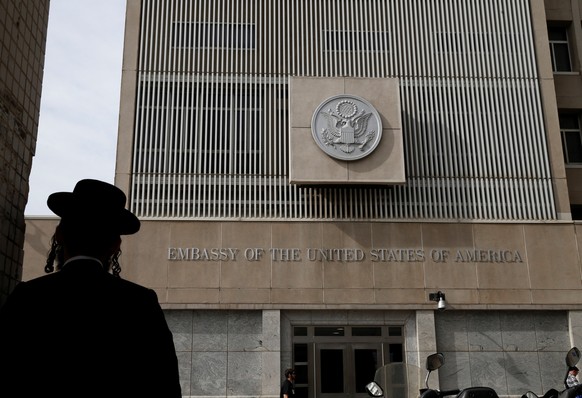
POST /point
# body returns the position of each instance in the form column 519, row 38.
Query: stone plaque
column 346, row 127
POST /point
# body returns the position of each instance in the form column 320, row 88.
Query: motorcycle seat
column 478, row 392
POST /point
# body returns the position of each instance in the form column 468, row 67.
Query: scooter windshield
column 399, row 380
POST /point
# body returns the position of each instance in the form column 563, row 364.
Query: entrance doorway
column 338, row 361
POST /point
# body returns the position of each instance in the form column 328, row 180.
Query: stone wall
column 227, row 353
column 23, row 27
column 511, row 351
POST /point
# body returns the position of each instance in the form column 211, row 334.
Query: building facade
column 309, row 173
column 23, row 28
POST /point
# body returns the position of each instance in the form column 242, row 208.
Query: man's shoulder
column 131, row 286
column 40, row 282
column 65, row 280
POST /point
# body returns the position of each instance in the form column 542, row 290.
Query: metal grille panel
column 211, row 135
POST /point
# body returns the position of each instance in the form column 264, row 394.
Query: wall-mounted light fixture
column 439, row 297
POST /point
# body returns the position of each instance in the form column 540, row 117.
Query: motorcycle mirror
column 434, row 361
column 374, row 390
column 573, row 357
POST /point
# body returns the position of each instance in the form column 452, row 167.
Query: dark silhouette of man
column 83, row 331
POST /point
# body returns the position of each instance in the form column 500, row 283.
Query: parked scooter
column 572, row 358
column 396, row 380
column 391, row 379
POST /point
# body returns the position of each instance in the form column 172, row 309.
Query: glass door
column 343, row 370
column 334, row 361
column 331, row 361
column 367, row 358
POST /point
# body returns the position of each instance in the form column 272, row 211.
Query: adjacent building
column 23, row 28
column 310, row 174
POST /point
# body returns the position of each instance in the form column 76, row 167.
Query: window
column 559, row 48
column 571, row 138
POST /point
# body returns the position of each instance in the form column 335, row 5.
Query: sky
column 77, row 134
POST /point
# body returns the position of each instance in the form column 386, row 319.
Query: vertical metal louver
column 211, row 135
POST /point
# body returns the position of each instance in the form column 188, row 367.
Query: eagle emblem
column 346, row 130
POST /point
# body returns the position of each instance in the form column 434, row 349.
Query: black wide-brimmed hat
column 96, row 202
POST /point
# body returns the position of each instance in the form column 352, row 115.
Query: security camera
column 442, row 304
column 439, row 297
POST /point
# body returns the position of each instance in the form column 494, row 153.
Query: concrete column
column 575, row 327
column 577, row 33
column 426, row 332
column 550, row 109
column 272, row 354
column 426, row 339
column 127, row 103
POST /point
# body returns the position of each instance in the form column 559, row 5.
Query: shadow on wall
column 511, row 351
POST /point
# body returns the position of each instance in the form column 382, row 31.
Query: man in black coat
column 288, row 386
column 84, row 331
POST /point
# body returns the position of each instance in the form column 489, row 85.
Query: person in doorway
column 288, row 386
column 84, row 331
column 571, row 379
